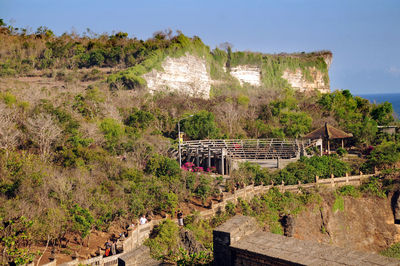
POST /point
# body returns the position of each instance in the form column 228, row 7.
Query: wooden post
column 197, row 158
column 222, row 162
column 329, row 148
column 228, row 165
column 209, row 158
column 321, row 150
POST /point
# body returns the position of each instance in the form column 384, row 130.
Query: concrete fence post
column 332, row 180
column 316, row 179
column 347, row 178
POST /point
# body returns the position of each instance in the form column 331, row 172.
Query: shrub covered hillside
column 25, row 53
column 79, row 151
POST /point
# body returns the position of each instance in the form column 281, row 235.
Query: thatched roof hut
column 327, row 133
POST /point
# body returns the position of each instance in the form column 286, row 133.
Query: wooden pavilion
column 327, row 133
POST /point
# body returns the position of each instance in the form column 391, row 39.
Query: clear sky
column 363, row 35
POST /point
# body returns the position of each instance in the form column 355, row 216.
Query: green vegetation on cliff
column 43, row 50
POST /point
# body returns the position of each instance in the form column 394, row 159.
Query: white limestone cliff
column 246, row 73
column 297, row 80
column 190, row 75
column 186, row 74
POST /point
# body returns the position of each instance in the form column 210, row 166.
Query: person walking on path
column 143, row 219
column 180, row 218
column 108, row 249
column 114, row 248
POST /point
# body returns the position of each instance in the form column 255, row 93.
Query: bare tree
column 43, row 132
column 9, row 134
column 229, row 115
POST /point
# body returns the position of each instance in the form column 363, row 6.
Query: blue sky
column 364, row 35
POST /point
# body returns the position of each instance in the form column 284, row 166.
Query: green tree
column 14, row 235
column 200, row 126
column 82, row 220
column 383, row 113
column 139, row 119
column 113, row 132
column 162, row 166
column 296, row 124
column 385, row 155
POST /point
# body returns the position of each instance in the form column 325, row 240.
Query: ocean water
column 393, row 98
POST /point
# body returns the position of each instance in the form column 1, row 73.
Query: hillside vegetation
column 82, row 147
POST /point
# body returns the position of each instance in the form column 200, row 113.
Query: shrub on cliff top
column 383, row 156
column 306, row 169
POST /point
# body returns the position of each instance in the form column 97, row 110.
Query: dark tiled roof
column 328, row 132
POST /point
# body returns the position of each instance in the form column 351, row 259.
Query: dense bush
column 306, row 169
column 139, row 119
column 393, row 251
column 200, row 126
column 385, row 155
column 166, row 241
column 162, row 166
column 113, row 132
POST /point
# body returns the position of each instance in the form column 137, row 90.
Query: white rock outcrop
column 187, row 74
column 299, row 82
column 246, row 73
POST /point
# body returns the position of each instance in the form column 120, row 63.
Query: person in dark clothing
column 180, row 218
column 108, row 249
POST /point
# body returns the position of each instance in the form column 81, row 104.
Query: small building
column 391, row 130
column 327, row 134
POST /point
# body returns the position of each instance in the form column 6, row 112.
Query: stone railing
column 250, row 191
column 140, row 233
column 134, row 240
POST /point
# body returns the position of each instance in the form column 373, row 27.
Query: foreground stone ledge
column 239, row 241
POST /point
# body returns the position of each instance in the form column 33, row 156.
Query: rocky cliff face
column 187, row 74
column 316, row 79
column 249, row 74
column 297, row 80
column 365, row 224
column 190, row 75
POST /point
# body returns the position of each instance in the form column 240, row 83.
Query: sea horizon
column 393, row 98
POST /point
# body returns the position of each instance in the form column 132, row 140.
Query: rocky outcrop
column 297, row 80
column 365, row 224
column 186, row 74
column 248, row 74
column 316, row 80
column 189, row 242
column 189, row 74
